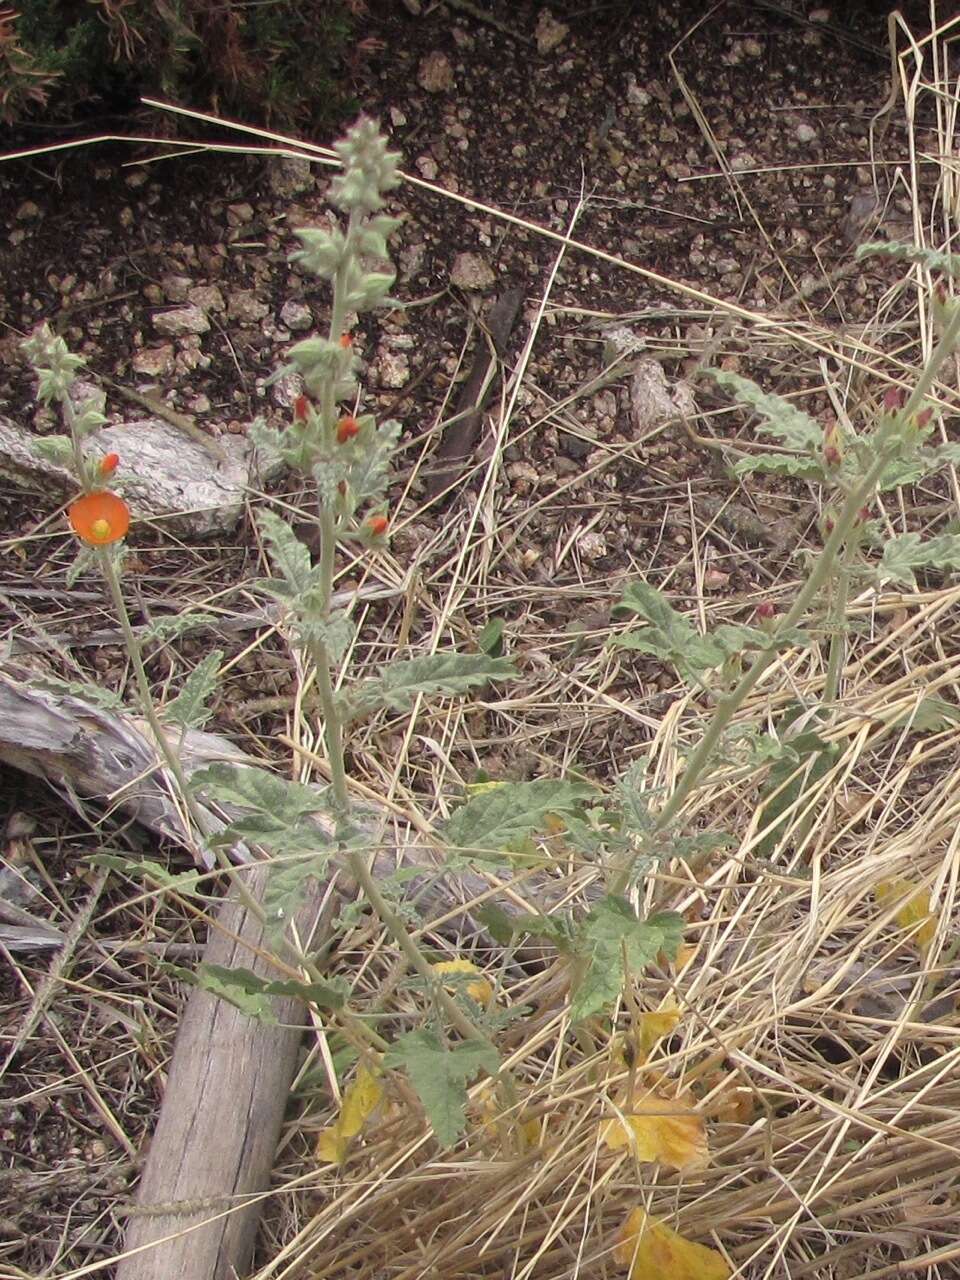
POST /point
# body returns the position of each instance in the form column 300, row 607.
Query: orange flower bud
column 346, row 341
column 109, row 463
column 99, row 518
column 300, row 407
column 377, row 525
column 347, row 428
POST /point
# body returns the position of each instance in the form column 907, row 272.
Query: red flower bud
column 300, row 407
column 109, row 463
column 347, row 428
column 894, row 398
column 863, row 515
column 346, row 341
column 377, row 525
column 832, row 445
column 923, row 418
column 342, row 488
column 940, row 293
column 766, row 610
column 829, row 524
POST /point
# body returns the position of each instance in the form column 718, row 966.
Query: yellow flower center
column 100, row 529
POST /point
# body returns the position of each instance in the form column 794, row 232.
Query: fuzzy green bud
column 55, row 366
column 369, row 169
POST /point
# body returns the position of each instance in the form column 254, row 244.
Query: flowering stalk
column 347, row 457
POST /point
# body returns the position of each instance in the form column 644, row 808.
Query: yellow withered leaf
column 665, row 1130
column 331, row 1145
column 913, row 909
column 480, row 990
column 652, row 1027
column 653, row 1251
column 364, row 1094
column 362, row 1097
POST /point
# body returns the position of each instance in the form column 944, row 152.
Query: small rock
column 27, row 210
column 523, row 477
column 207, row 297
column 245, row 307
column 199, row 404
column 469, row 271
column 549, row 32
column 297, row 316
column 427, row 167
column 592, row 545
column 182, row 320
column 398, row 118
column 154, row 361
column 391, row 368
column 805, row 133
column 435, row 74
column 714, row 579
column 239, row 214
column 175, row 287
column 290, row 175
column 136, row 179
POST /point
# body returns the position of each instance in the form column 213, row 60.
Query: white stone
column 182, row 320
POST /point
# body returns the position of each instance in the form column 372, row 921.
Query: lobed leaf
column 494, row 820
column 908, row 552
column 189, row 708
column 782, row 419
column 440, row 1075
column 610, row 929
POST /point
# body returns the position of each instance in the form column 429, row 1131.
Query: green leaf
column 286, row 889
column 55, row 449
column 440, row 1076
column 491, row 638
column 286, row 551
column 162, row 630
column 95, row 694
column 780, row 464
column 188, row 709
column 185, row 882
column 776, row 798
column 336, row 633
column 369, row 473
column 497, row 923
column 496, row 819
column 948, row 263
column 901, row 471
column 257, row 789
column 907, row 552
column 930, row 715
column 784, row 420
column 610, row 928
column 668, row 636
column 252, row 995
column 449, row 674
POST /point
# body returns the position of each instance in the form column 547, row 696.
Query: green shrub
column 276, row 62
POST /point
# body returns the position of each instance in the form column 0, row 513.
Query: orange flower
column 301, row 406
column 347, row 428
column 109, row 463
column 377, row 525
column 346, row 341
column 99, row 518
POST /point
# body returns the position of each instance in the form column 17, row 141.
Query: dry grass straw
column 819, row 1041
